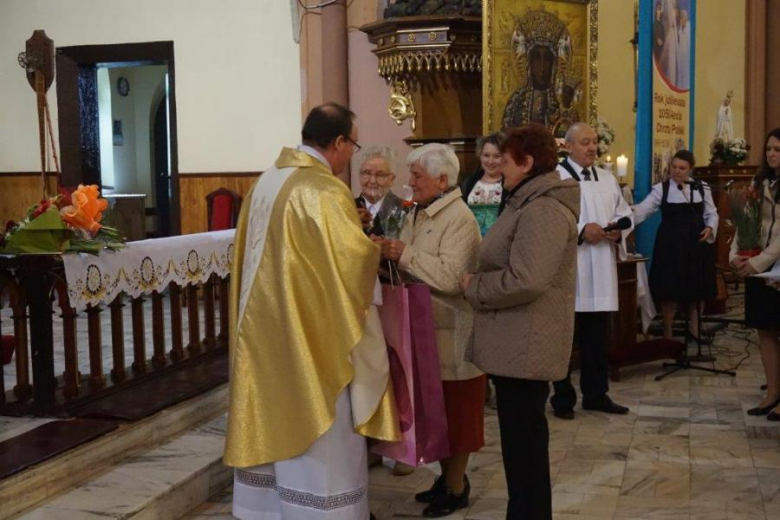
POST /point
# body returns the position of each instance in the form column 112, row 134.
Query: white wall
column 238, row 80
column 123, row 109
column 106, row 130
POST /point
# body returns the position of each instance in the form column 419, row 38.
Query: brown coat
column 524, row 291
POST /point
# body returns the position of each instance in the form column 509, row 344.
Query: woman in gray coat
column 523, row 295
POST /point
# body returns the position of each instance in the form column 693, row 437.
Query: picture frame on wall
column 539, row 63
column 119, row 139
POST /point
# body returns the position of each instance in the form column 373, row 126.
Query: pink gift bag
column 407, row 322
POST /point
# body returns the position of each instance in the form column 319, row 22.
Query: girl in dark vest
column 683, row 268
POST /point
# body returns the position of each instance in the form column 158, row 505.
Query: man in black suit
column 377, row 173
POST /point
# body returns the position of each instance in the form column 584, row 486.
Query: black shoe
column 605, row 405
column 564, row 413
column 773, row 416
column 371, row 516
column 439, row 488
column 448, row 502
column 763, row 410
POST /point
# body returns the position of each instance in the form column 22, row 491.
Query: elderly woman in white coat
column 439, row 243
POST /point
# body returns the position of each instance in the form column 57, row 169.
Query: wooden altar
column 623, row 349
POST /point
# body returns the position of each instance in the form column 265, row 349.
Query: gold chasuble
column 302, row 287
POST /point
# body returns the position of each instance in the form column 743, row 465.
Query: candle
column 608, row 163
column 622, row 166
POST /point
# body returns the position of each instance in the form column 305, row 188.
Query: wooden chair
column 223, row 207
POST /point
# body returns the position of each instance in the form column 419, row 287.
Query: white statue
column 725, row 126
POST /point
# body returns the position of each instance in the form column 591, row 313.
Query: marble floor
column 686, row 451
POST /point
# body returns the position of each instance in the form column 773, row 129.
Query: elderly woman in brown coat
column 439, row 243
column 523, row 294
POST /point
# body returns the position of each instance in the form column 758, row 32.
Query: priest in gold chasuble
column 309, row 376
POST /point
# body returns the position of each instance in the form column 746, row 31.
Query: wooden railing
column 34, row 288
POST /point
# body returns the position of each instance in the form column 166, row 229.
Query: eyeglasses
column 380, row 176
column 354, row 143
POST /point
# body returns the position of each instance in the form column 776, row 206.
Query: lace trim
column 301, row 498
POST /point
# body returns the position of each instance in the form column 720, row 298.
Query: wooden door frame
column 69, row 61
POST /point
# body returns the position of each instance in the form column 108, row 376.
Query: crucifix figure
column 38, row 62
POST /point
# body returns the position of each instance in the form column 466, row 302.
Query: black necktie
column 586, row 174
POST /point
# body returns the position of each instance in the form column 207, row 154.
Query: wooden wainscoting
column 19, row 191
column 193, row 189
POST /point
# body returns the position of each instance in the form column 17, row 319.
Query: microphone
column 621, row 224
column 694, row 183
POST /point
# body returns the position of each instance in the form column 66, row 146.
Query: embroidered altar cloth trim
column 146, row 266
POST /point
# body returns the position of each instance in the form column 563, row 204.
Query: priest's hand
column 377, row 240
column 593, row 233
column 464, row 282
column 705, row 234
column 613, row 236
column 393, row 249
column 365, row 217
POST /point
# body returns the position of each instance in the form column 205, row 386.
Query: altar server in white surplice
column 309, row 375
column 601, row 204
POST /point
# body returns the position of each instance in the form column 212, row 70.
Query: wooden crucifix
column 38, row 62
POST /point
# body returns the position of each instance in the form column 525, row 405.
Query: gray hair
column 383, row 152
column 573, row 129
column 496, row 139
column 436, row 159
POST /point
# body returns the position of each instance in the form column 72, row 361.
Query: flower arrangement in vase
column 65, row 223
column 731, row 152
column 746, row 216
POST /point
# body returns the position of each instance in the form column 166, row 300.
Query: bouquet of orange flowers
column 62, row 224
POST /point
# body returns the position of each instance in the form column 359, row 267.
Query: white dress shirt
column 375, row 207
column 652, row 203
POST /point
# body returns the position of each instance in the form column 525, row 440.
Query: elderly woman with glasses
column 376, row 174
column 439, row 243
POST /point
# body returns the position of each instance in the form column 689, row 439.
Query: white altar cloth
column 643, row 296
column 146, row 266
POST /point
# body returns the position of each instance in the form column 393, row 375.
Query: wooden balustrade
column 34, row 286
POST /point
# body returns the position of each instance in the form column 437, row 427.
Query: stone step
column 45, row 481
column 164, row 482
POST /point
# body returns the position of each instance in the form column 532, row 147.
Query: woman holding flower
column 762, row 302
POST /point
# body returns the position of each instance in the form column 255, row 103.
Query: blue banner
column 666, row 80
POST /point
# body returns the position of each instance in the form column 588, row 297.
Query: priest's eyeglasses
column 378, row 176
column 354, row 143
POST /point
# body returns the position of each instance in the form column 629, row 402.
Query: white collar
column 375, row 207
column 577, row 167
column 314, row 153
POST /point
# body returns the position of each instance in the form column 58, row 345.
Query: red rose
column 43, row 206
column 9, row 226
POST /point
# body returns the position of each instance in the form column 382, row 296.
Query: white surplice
column 328, row 482
column 601, row 202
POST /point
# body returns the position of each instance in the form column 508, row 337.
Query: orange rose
column 86, row 209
